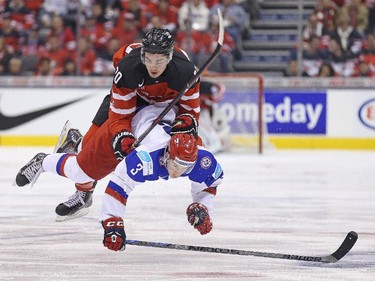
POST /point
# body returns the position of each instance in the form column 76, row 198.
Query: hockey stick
column 189, row 84
column 344, row 248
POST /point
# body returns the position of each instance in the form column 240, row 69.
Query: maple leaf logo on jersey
column 9, row 122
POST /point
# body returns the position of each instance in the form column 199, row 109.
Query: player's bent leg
column 78, row 204
column 66, row 165
column 95, row 161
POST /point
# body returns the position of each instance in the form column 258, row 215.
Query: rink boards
column 292, row 118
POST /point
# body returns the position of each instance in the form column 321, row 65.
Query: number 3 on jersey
column 136, row 169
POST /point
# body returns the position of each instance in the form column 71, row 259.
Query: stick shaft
column 344, row 248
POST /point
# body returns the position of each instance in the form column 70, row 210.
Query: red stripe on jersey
column 211, row 190
column 116, row 195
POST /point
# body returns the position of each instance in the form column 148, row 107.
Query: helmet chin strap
column 164, row 158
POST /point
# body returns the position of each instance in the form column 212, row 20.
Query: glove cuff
column 116, row 142
column 185, row 123
column 113, row 222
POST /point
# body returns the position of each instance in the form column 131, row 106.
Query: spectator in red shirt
column 34, row 5
column 211, row 3
column 95, row 31
column 167, row 14
column 10, row 34
column 20, row 14
column 363, row 68
column 65, row 34
column 126, row 30
column 56, row 53
column 87, row 57
column 135, row 8
column 369, row 50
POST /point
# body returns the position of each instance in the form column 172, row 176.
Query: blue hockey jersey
column 141, row 166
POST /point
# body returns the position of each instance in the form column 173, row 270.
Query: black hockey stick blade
column 344, row 248
column 189, row 84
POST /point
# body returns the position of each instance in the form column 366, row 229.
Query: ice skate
column 29, row 173
column 76, row 206
column 71, row 142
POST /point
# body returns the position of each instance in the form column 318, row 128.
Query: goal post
column 242, row 105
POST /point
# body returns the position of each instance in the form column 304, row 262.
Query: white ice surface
column 290, row 202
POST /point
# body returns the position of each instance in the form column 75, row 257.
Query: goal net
column 239, row 112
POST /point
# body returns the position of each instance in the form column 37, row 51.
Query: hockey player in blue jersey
column 181, row 157
column 160, row 157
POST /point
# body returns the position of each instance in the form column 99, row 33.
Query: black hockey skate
column 76, row 206
column 29, row 173
column 71, row 142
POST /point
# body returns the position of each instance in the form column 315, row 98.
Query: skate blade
column 78, row 214
column 35, row 178
column 67, row 126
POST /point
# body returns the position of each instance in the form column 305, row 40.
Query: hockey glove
column 199, row 218
column 114, row 234
column 185, row 123
column 123, row 144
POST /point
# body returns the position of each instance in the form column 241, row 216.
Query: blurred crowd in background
column 79, row 37
column 338, row 40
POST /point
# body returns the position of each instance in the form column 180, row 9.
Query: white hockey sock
column 65, row 165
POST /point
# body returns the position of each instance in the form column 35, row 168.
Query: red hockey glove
column 114, row 234
column 198, row 217
column 123, row 144
column 185, row 123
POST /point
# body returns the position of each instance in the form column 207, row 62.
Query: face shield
column 176, row 167
column 181, row 154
